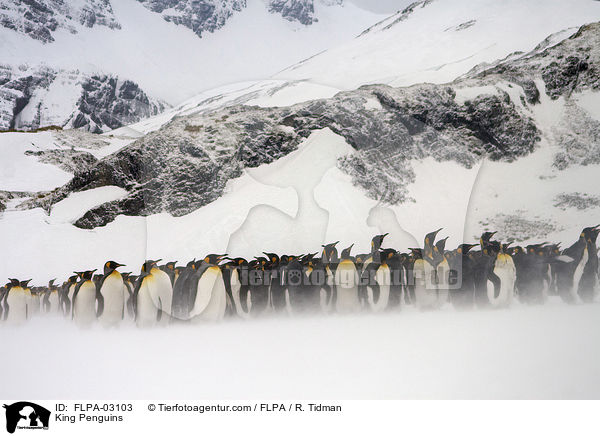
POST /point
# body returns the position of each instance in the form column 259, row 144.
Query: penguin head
column 237, row 262
column 465, row 248
column 377, row 241
column 214, row 259
column 430, row 238
column 329, row 253
column 73, row 279
column 25, row 283
column 485, row 237
column 125, row 275
column 13, row 283
column 170, row 266
column 51, row 283
column 387, row 254
column 416, row 253
column 308, row 259
column 110, row 266
column 346, row 252
column 86, row 275
column 149, row 264
column 273, row 258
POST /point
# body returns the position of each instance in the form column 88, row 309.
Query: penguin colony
column 219, row 286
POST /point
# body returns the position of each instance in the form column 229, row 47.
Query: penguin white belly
column 84, row 307
column 18, row 305
column 504, row 268
column 236, row 286
column 383, row 278
column 113, row 291
column 210, row 300
column 163, row 291
column 346, row 287
column 147, row 309
column 426, row 293
column 578, row 274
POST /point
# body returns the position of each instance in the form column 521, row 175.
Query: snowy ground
column 522, row 352
column 442, row 40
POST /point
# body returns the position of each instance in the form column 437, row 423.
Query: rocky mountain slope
column 494, row 111
column 39, row 19
column 31, row 98
column 168, row 50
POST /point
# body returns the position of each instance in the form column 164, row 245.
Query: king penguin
column 84, row 300
column 51, row 300
column 209, row 297
column 380, row 281
column 146, row 303
column 501, row 294
column 17, row 302
column 111, row 296
column 66, row 295
column 461, row 264
column 329, row 261
column 346, row 281
column 569, row 274
column 588, row 285
column 236, row 284
column 425, row 274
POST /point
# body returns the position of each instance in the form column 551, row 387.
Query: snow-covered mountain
column 167, row 50
column 436, row 41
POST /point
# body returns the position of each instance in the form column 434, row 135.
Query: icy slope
column 436, row 41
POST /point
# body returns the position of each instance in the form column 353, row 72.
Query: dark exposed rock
column 71, row 161
column 38, row 19
column 188, row 162
column 302, row 11
column 198, row 15
column 106, row 102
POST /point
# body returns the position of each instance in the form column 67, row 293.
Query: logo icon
column 26, row 415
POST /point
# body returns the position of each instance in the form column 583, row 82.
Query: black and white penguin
column 303, row 293
column 425, row 275
column 235, row 273
column 208, row 296
column 66, row 295
column 569, row 274
column 500, row 294
column 379, row 280
column 129, row 283
column 532, row 266
column 260, row 281
column 146, row 302
column 51, row 299
column 276, row 267
column 170, row 269
column 3, row 292
column 346, row 281
column 588, row 285
column 329, row 262
column 84, row 300
column 461, row 264
column 111, row 295
column 160, row 286
column 17, row 301
column 182, row 291
column 483, row 268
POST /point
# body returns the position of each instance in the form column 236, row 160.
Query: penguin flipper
column 100, row 307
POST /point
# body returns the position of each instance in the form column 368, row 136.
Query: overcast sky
column 383, row 6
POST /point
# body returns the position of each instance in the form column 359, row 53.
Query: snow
column 523, row 352
column 590, row 101
column 253, row 45
column 19, row 172
column 77, row 204
column 422, row 49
